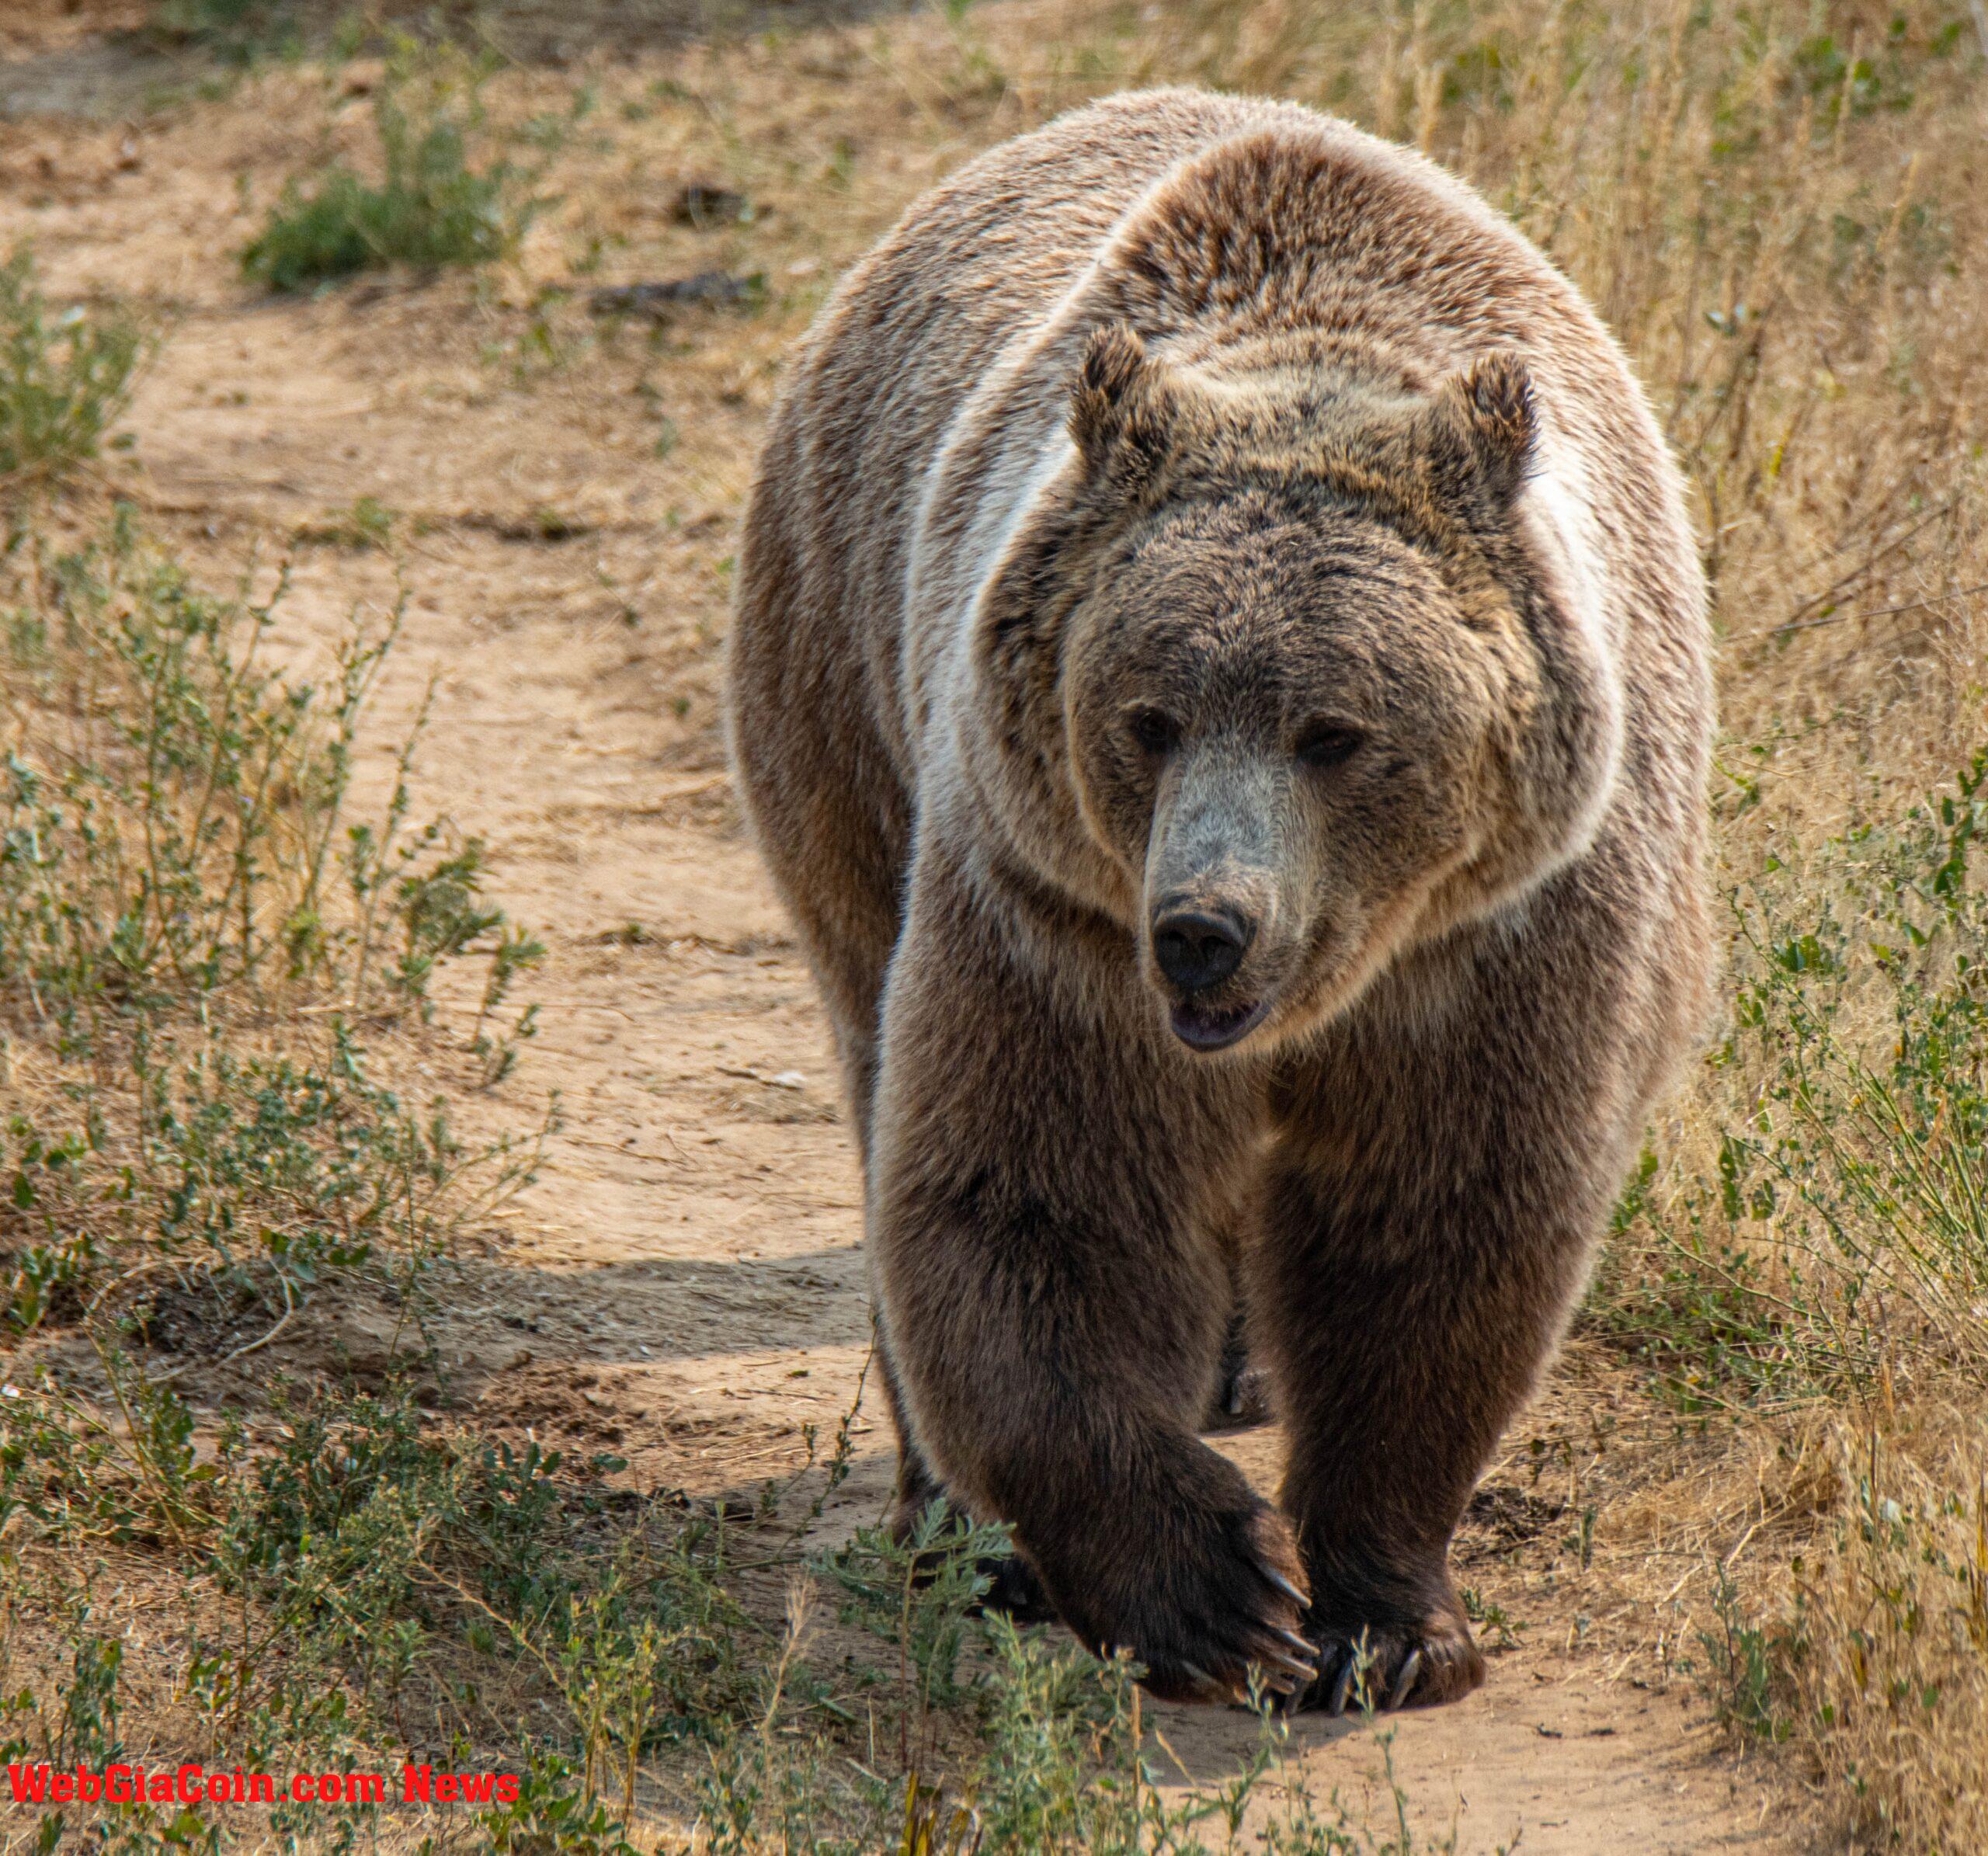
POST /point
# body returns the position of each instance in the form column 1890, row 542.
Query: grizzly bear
column 1220, row 680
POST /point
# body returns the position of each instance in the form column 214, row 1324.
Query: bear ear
column 1486, row 429
column 1121, row 408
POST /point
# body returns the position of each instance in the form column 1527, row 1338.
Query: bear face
column 1307, row 666
column 1281, row 720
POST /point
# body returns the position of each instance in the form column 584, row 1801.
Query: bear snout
column 1199, row 948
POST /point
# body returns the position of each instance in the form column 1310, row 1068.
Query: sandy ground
column 684, row 1284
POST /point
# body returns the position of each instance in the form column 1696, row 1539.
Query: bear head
column 1313, row 662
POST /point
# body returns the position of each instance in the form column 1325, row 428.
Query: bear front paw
column 1379, row 1666
column 1225, row 1596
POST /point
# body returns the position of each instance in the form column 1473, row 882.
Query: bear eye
column 1154, row 730
column 1329, row 744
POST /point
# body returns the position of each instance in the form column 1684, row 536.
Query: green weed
column 1866, row 1015
column 433, row 205
column 236, row 28
column 177, row 874
column 1841, row 1230
column 64, row 377
column 1743, row 1661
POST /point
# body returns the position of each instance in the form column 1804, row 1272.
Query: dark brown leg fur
column 1013, row 1587
column 1428, row 1218
column 1041, row 1177
column 1384, row 1449
column 849, row 950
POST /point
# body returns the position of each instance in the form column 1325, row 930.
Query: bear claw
column 1302, row 1672
column 1405, row 1682
column 1343, row 1686
column 1231, row 1622
column 1242, row 1400
column 1383, row 1671
column 1284, row 1585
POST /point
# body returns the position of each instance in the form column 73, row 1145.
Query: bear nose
column 1197, row 948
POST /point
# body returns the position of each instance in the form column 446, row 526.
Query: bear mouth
column 1201, row 1029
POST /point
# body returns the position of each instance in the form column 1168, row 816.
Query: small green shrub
column 243, row 32
column 178, row 870
column 431, row 206
column 367, row 1569
column 63, row 379
column 1744, row 1665
column 1841, row 1230
column 919, row 1591
column 1868, row 1014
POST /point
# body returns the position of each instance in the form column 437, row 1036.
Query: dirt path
column 684, row 1283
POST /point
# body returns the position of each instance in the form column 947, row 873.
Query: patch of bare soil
column 105, row 59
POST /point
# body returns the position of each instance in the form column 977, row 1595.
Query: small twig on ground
column 256, row 1346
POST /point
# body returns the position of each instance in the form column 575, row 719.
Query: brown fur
column 1199, row 505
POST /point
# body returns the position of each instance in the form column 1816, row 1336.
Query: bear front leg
column 1012, row 1586
column 1406, row 1317
column 1040, row 1163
